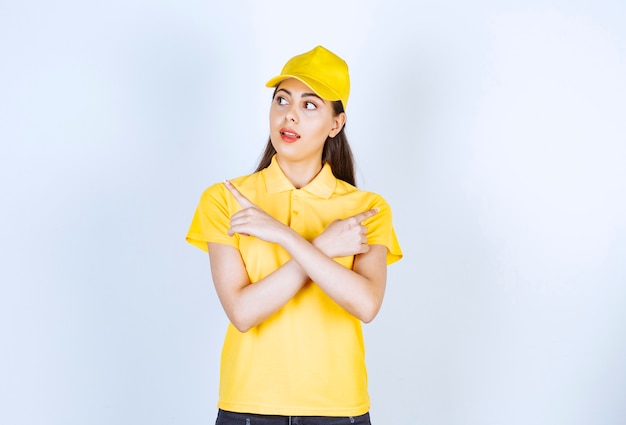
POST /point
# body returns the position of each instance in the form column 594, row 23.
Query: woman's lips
column 288, row 135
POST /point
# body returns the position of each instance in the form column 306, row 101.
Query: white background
column 496, row 131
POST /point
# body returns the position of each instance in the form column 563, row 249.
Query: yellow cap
column 320, row 69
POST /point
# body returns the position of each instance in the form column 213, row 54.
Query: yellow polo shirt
column 308, row 359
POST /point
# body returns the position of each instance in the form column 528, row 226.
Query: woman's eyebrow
column 312, row 95
column 303, row 94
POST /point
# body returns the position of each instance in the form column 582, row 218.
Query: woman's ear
column 338, row 122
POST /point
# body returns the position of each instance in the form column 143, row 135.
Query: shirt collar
column 322, row 186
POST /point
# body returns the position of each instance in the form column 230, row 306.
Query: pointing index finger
column 365, row 215
column 241, row 200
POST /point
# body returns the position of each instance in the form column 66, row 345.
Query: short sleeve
column 211, row 219
column 380, row 230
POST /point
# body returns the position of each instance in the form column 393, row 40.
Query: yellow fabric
column 320, row 69
column 309, row 357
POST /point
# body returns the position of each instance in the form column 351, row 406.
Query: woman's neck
column 300, row 173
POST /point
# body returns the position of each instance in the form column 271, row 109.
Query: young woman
column 299, row 259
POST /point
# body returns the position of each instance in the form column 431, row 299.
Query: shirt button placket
column 296, row 209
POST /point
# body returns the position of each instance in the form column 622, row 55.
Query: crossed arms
column 359, row 291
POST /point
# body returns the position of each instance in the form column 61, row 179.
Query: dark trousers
column 233, row 418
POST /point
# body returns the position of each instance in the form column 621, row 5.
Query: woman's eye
column 310, row 105
column 281, row 100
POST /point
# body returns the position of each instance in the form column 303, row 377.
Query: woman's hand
column 253, row 221
column 345, row 237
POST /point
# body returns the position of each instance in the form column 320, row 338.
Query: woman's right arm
column 248, row 305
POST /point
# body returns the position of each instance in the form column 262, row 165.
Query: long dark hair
column 336, row 153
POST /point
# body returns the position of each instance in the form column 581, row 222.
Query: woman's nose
column 291, row 115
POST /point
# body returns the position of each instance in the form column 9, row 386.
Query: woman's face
column 300, row 122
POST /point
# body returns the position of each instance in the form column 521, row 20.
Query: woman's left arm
column 359, row 291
